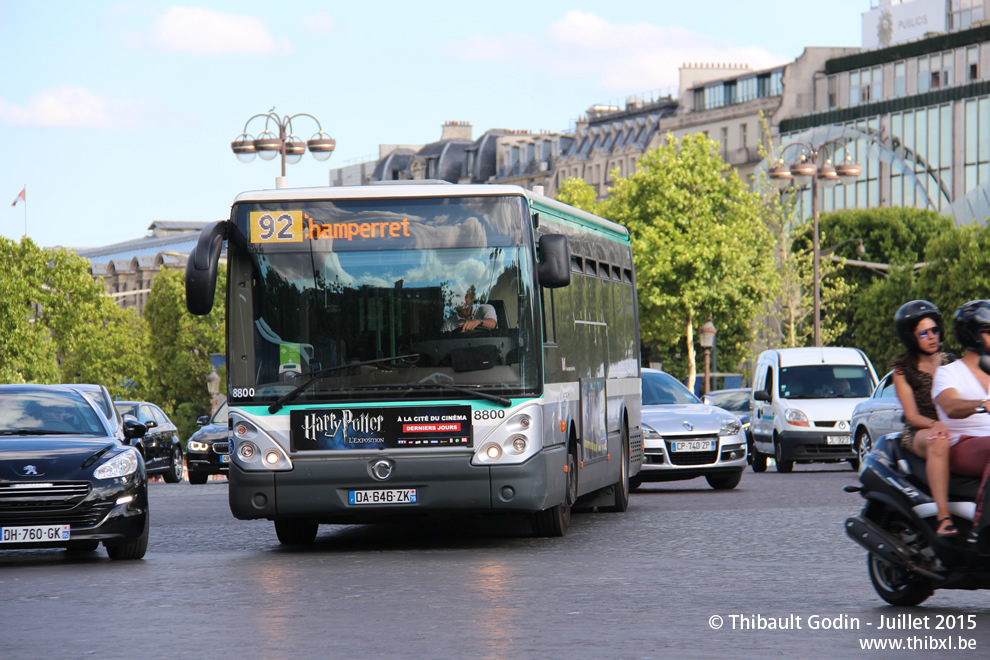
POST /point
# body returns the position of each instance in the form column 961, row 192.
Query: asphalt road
column 648, row 583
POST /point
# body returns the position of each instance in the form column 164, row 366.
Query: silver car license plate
column 693, row 445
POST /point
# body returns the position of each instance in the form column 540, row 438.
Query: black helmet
column 969, row 322
column 909, row 315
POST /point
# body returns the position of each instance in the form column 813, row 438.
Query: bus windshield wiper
column 316, row 375
column 501, row 400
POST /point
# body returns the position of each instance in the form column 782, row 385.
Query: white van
column 803, row 400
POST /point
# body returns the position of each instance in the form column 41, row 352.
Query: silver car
column 877, row 416
column 684, row 438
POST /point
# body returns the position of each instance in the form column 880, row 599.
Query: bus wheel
column 555, row 520
column 296, row 532
column 621, row 487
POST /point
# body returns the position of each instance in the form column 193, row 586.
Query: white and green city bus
column 353, row 398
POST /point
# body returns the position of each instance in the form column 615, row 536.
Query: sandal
column 945, row 527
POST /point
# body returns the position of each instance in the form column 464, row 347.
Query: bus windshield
column 444, row 285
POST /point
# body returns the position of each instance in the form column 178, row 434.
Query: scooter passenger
column 961, row 391
column 919, row 327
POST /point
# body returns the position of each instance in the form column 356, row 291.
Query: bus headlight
column 493, row 452
column 247, row 450
column 519, row 443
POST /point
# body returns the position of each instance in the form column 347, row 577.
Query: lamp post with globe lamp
column 808, row 171
column 277, row 138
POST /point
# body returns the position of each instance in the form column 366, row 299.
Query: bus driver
column 469, row 316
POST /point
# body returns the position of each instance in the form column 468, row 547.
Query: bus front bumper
column 319, row 488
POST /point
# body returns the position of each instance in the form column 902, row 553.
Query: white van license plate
column 839, row 440
column 693, row 445
column 399, row 496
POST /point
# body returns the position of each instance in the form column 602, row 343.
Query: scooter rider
column 961, row 390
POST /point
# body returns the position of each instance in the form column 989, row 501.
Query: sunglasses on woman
column 934, row 332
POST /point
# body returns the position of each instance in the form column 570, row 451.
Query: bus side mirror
column 201, row 269
column 554, row 269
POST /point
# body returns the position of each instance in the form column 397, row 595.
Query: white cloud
column 633, row 56
column 203, row 31
column 73, row 107
column 320, row 23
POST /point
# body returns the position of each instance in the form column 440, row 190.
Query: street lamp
column 707, row 332
column 807, row 171
column 269, row 144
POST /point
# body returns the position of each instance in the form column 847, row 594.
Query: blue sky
column 116, row 114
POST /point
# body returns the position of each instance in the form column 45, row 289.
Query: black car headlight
column 121, row 465
column 196, row 445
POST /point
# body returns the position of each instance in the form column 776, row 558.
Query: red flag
column 21, row 197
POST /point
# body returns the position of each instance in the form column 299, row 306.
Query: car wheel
column 555, row 520
column 864, row 445
column 724, row 481
column 296, row 532
column 621, row 487
column 197, row 478
column 759, row 460
column 782, row 466
column 174, row 473
column 133, row 549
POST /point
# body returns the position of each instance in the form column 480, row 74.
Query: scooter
column 907, row 560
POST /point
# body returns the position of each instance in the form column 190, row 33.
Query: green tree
column 700, row 245
column 579, row 194
column 58, row 324
column 180, row 346
column 894, row 236
column 27, row 351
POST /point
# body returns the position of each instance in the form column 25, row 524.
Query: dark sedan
column 207, row 448
column 65, row 480
column 160, row 446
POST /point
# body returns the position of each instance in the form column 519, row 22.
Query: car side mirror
column 203, row 420
column 133, row 428
column 761, row 395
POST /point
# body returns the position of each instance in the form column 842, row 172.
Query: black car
column 65, row 480
column 207, row 448
column 160, row 446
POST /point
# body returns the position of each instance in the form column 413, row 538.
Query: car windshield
column 737, row 401
column 825, row 381
column 127, row 408
column 47, row 412
column 96, row 397
column 220, row 416
column 662, row 389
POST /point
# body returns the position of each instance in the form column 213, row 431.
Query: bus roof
column 432, row 189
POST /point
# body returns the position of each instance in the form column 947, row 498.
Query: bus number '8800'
column 489, row 414
column 241, row 392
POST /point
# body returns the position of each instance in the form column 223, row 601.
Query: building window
column 963, row 13
column 924, row 78
column 742, row 136
column 941, row 70
column 972, row 63
column 833, row 93
column 876, row 89
column 724, row 140
column 699, row 100
column 746, row 89
column 855, row 87
column 729, row 93
column 900, row 78
column 976, row 159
